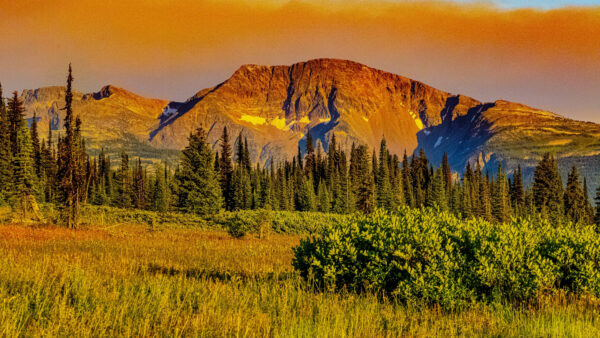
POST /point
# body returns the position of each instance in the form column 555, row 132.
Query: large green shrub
column 425, row 255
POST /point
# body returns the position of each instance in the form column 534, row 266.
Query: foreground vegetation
column 426, row 256
column 137, row 279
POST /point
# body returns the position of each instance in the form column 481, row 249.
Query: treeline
column 39, row 169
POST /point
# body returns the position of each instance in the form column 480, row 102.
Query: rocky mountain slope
column 275, row 106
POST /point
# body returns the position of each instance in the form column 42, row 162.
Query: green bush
column 426, row 255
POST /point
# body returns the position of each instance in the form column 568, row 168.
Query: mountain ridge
column 274, row 107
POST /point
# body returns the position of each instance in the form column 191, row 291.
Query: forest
column 56, row 170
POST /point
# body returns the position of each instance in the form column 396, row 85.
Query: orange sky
column 172, row 49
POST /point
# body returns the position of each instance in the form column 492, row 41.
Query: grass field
column 136, row 280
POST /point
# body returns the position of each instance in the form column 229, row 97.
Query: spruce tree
column 365, row 188
column 35, row 143
column 382, row 177
column 226, row 170
column 67, row 176
column 160, row 191
column 5, row 151
column 447, row 173
column 16, row 114
column 323, row 199
column 198, row 183
column 574, row 199
column 24, row 178
column 123, row 180
column 516, row 192
column 547, row 188
column 501, row 198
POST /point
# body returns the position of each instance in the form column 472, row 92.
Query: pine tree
column 306, row 199
column 323, row 199
column 574, row 199
column 437, row 191
column 160, row 191
column 35, row 143
column 68, row 185
column 382, row 177
column 501, row 198
column 407, row 182
column 5, row 151
column 24, row 178
column 485, row 206
column 16, row 114
column 447, row 173
column 588, row 204
column 365, row 187
column 516, row 192
column 547, row 188
column 226, row 170
column 197, row 180
column 123, row 180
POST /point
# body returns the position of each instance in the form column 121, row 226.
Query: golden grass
column 133, row 280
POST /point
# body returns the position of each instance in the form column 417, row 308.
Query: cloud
column 171, row 49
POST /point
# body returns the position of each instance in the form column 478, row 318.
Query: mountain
column 275, row 106
column 113, row 118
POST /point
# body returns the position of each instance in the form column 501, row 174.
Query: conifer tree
column 574, row 199
column 226, row 170
column 5, row 151
column 485, row 205
column 382, row 177
column 547, row 188
column 588, row 204
column 501, row 198
column 67, row 166
column 447, row 173
column 16, row 114
column 516, row 191
column 365, row 188
column 198, row 183
column 35, row 143
column 437, row 191
column 323, row 199
column 306, row 199
column 160, row 191
column 123, row 180
column 24, row 178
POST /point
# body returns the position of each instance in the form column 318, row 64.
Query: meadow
column 132, row 279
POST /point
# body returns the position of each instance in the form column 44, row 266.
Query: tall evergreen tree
column 547, row 188
column 382, row 177
column 5, row 151
column 500, row 198
column 517, row 195
column 123, row 180
column 226, row 170
column 365, row 187
column 68, row 186
column 35, row 143
column 574, row 199
column 198, row 183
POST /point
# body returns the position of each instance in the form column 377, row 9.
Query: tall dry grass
column 133, row 280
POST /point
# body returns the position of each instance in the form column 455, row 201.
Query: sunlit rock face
column 276, row 106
